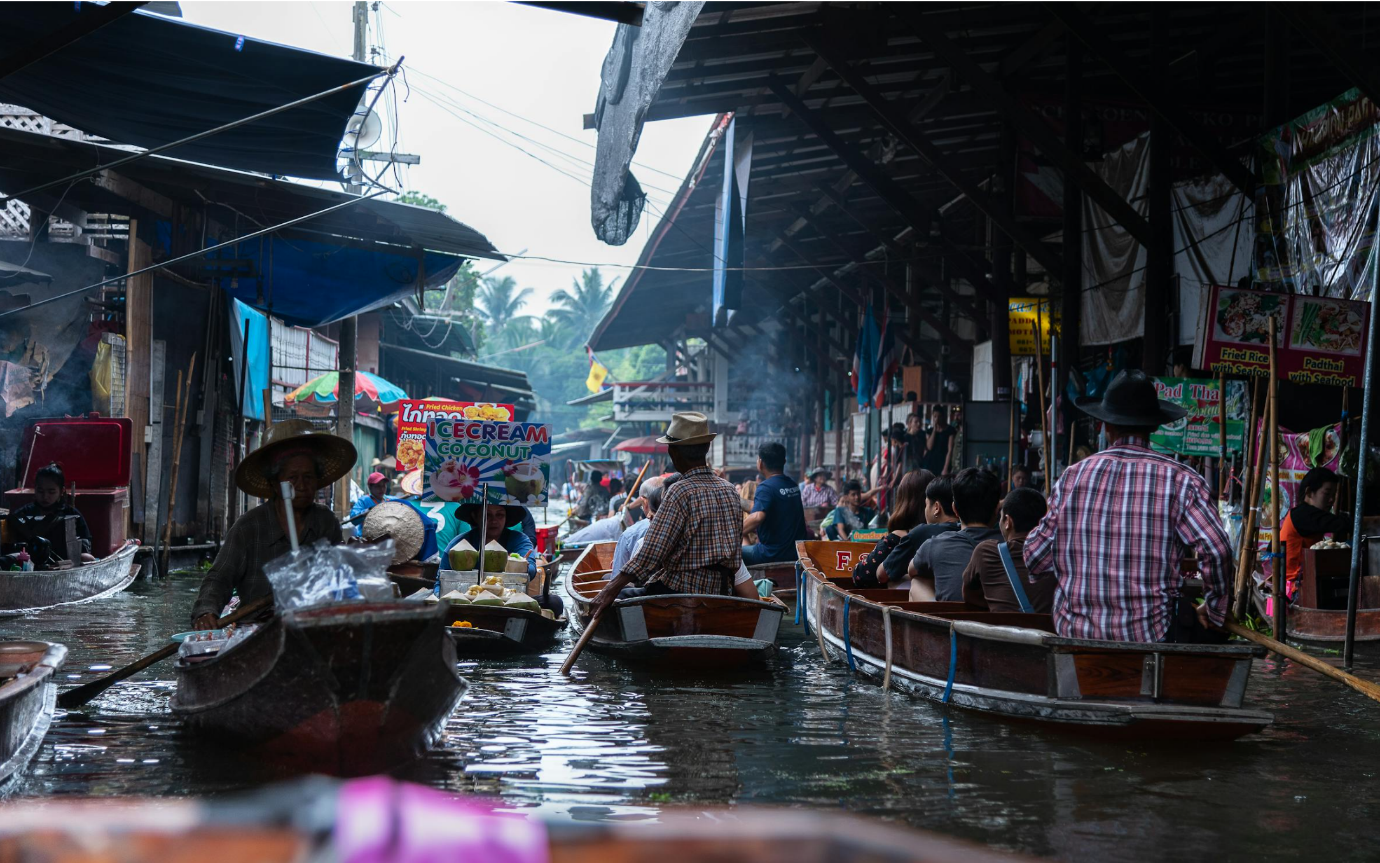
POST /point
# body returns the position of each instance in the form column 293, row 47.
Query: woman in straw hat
column 294, row 453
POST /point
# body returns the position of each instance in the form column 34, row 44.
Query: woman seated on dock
column 41, row 526
column 506, row 527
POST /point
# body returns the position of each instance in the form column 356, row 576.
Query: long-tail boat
column 27, row 697
column 379, row 819
column 1014, row 665
column 28, row 592
column 674, row 631
column 343, row 688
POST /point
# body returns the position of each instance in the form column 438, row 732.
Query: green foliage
column 580, row 309
column 421, row 199
column 499, row 300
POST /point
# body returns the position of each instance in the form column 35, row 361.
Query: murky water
column 615, row 743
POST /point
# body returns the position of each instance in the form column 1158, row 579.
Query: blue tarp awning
column 148, row 80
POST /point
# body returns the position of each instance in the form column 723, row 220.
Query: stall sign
column 1023, row 313
column 414, row 414
column 1199, row 433
column 473, row 461
column 1323, row 339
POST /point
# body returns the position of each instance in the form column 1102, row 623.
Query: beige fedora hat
column 335, row 455
column 687, row 429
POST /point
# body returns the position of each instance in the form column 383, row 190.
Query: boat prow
column 496, row 630
column 29, row 592
column 27, row 697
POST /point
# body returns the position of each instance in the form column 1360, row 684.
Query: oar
column 584, row 639
column 1364, row 687
column 74, row 698
column 632, row 492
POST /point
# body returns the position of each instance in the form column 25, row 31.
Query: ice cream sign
column 467, row 461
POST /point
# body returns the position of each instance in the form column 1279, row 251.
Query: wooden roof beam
column 1149, row 90
column 1037, row 130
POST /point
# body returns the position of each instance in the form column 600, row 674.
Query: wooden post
column 1277, row 583
column 1040, row 378
column 1255, row 484
column 138, row 348
column 180, row 423
column 1011, row 440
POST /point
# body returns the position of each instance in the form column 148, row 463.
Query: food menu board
column 1299, row 452
column 1323, row 339
column 1199, row 433
column 474, row 461
column 414, row 414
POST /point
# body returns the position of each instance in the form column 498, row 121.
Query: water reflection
column 615, row 743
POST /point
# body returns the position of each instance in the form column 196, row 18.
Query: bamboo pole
column 1040, row 378
column 1365, row 687
column 1255, row 483
column 1223, row 484
column 1277, row 582
column 184, row 398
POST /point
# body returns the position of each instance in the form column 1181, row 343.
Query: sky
column 532, row 66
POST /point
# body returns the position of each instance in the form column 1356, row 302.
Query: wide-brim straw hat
column 335, row 455
column 687, row 429
column 395, row 519
column 1131, row 400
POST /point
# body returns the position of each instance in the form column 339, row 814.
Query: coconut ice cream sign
column 469, row 461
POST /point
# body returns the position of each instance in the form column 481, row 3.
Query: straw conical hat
column 335, row 455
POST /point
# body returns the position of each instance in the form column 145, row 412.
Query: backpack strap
column 1014, row 577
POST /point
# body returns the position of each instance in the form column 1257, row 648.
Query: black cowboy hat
column 1131, row 400
column 470, row 514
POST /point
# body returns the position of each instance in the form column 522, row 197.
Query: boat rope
column 886, row 629
column 953, row 663
column 800, row 598
column 847, row 639
column 819, row 624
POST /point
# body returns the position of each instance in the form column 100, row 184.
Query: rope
column 847, row 639
column 819, row 624
column 953, row 663
column 800, row 598
column 886, row 629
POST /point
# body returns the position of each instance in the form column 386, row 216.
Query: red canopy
column 646, row 445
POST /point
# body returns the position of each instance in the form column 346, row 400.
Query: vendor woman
column 1310, row 521
column 294, row 453
column 41, row 525
column 506, row 527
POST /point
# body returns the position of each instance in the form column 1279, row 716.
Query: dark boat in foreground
column 1013, row 665
column 378, row 819
column 347, row 688
column 674, row 632
column 27, row 592
column 28, row 694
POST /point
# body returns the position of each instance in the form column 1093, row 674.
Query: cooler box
column 93, row 452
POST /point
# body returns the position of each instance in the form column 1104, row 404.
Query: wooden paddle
column 584, row 639
column 1365, row 687
column 74, row 698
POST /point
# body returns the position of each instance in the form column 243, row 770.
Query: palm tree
column 579, row 310
column 499, row 300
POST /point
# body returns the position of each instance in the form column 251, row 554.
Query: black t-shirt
column 897, row 563
column 936, row 458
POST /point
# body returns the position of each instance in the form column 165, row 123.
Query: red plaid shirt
column 1117, row 525
column 698, row 525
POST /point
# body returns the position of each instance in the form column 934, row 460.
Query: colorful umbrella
column 645, row 445
column 369, row 387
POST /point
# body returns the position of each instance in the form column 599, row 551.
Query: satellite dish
column 365, row 131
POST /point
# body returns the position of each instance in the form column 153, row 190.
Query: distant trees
column 580, row 309
column 499, row 301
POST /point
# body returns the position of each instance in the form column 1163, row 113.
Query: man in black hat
column 1118, row 523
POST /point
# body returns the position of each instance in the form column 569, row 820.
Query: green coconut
column 486, row 598
column 523, row 601
column 455, row 597
column 548, row 614
column 464, row 557
column 495, row 557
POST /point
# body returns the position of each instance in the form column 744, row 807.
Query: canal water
column 613, row 743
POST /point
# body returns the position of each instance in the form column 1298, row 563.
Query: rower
column 505, row 526
column 41, row 524
column 294, row 453
column 692, row 546
column 1310, row 521
column 1119, row 522
column 777, row 515
column 818, row 494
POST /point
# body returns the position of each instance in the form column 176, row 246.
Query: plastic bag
column 330, row 573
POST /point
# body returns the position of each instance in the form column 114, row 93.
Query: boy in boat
column 1119, row 522
column 693, row 544
column 42, row 524
column 993, row 577
column 777, row 515
column 939, row 518
column 294, row 453
column 937, row 570
column 1310, row 521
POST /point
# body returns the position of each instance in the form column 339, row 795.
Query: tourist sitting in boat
column 777, row 515
column 818, row 493
column 294, row 453
column 993, row 577
column 939, row 518
column 604, row 530
column 1310, row 521
column 594, row 503
column 692, row 546
column 616, row 496
column 1119, row 522
column 41, row 525
column 937, row 570
column 843, row 519
column 908, row 511
column 651, row 493
column 505, row 526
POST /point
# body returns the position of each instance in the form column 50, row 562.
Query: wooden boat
column 345, row 688
column 497, row 630
column 1304, row 619
column 782, row 577
column 675, row 631
column 380, row 819
column 412, row 576
column 27, row 697
column 27, row 592
column 1013, row 665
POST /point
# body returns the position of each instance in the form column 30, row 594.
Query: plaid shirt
column 813, row 498
column 699, row 525
column 1117, row 525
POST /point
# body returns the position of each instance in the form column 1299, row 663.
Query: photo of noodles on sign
column 471, row 461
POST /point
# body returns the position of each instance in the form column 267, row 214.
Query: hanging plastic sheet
column 1319, row 201
column 256, row 381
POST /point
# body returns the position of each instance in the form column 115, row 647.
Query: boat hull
column 27, row 702
column 499, row 631
column 28, row 592
column 1323, row 625
column 1014, row 666
column 783, row 579
column 340, row 689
